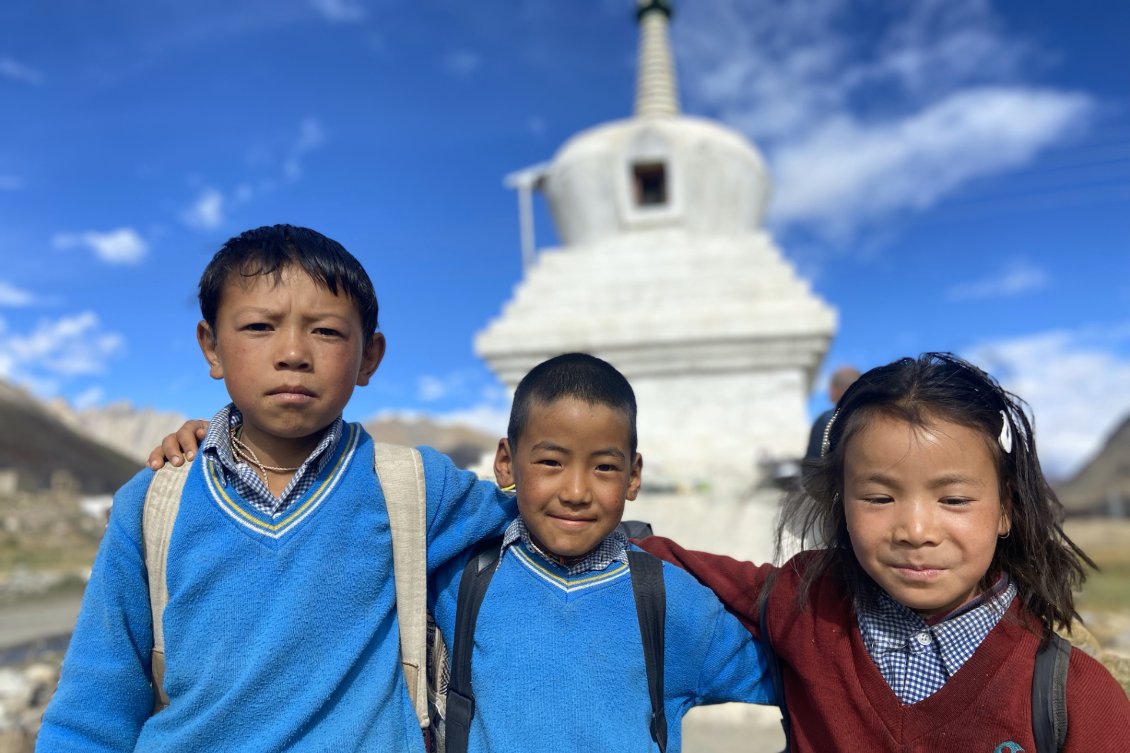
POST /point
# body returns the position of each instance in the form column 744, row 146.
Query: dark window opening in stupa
column 651, row 183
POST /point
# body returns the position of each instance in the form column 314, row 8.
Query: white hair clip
column 826, row 440
column 1006, row 434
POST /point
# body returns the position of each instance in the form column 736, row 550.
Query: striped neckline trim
column 250, row 518
column 568, row 584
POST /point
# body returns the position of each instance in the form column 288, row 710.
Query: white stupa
column 665, row 271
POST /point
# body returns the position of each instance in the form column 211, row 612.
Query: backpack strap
column 400, row 471
column 162, row 502
column 651, row 611
column 774, row 668
column 1049, row 694
column 460, row 695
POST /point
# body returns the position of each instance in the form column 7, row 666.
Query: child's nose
column 293, row 352
column 575, row 488
column 914, row 523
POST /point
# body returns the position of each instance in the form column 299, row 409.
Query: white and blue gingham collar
column 614, row 548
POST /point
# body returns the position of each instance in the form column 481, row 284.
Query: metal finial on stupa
column 656, row 89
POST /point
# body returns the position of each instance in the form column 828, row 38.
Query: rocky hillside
column 35, row 445
column 1102, row 486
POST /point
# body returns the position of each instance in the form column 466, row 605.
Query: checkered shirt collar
column 247, row 483
column 614, row 548
column 916, row 658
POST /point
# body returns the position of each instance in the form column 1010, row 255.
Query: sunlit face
column 290, row 355
column 573, row 468
column 923, row 510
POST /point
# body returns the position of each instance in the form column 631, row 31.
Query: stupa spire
column 657, row 92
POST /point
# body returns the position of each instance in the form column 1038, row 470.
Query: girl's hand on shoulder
column 178, row 447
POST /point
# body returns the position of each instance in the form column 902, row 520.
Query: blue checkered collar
column 217, row 446
column 614, row 548
column 890, row 627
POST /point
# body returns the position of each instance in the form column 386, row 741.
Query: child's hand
column 176, row 448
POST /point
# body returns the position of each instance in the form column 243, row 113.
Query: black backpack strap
column 774, row 668
column 651, row 610
column 460, row 696
column 1049, row 694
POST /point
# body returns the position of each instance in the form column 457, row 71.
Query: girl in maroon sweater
column 945, row 571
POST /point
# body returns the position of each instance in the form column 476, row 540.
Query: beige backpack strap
column 400, row 471
column 162, row 502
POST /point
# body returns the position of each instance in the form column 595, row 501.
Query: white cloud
column 1018, row 278
column 12, row 296
column 430, row 388
column 340, row 10
column 17, row 71
column 858, row 132
column 461, row 63
column 11, row 183
column 311, row 135
column 89, row 398
column 1077, row 383
column 57, row 349
column 121, row 246
column 207, row 212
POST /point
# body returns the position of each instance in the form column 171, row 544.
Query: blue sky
column 949, row 174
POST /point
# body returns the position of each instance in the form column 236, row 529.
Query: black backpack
column 647, row 585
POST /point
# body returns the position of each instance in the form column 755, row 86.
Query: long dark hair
column 1046, row 566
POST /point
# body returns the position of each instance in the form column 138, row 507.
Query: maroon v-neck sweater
column 838, row 700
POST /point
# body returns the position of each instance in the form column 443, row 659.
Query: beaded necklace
column 247, row 456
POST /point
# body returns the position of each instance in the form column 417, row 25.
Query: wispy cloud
column 121, row 246
column 207, row 212
column 461, row 63
column 14, row 70
column 310, row 136
column 13, row 297
column 857, row 133
column 11, row 183
column 1018, row 278
column 58, row 349
column 1076, row 381
column 340, row 11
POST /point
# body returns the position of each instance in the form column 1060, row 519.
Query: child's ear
column 636, row 477
column 206, row 338
column 1004, row 526
column 371, row 357
column 503, row 464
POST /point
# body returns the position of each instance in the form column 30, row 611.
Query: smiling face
column 290, row 355
column 573, row 468
column 923, row 510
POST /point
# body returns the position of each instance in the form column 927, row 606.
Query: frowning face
column 290, row 355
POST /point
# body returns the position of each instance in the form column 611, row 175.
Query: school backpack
column 651, row 609
column 1049, row 689
column 400, row 471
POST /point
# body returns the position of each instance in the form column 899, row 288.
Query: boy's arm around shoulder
column 737, row 584
column 104, row 694
column 729, row 663
column 462, row 510
column 1098, row 710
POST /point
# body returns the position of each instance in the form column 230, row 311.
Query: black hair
column 271, row 249
column 576, row 375
column 1046, row 566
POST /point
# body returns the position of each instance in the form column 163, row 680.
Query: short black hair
column 576, row 375
column 270, row 249
column 1046, row 566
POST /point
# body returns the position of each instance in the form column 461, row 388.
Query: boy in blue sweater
column 558, row 663
column 280, row 630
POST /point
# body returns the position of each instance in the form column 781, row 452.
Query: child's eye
column 877, row 499
column 550, row 462
column 257, row 327
column 327, row 332
column 955, row 501
column 607, row 468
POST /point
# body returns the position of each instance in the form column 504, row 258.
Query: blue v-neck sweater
column 558, row 661
column 280, row 633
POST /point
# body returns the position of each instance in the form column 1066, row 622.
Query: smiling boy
column 558, row 662
column 280, row 631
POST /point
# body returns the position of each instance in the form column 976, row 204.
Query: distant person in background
column 842, row 378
